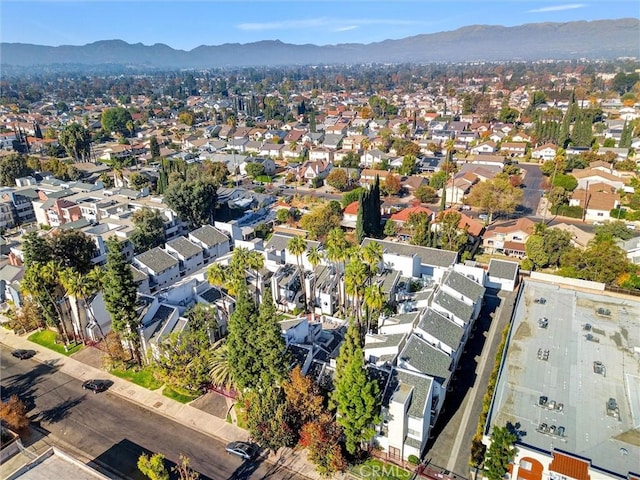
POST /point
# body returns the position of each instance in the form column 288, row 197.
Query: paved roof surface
column 568, row 376
column 428, row 256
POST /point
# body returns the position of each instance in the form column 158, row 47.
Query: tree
column 148, row 229
column 350, row 160
column 321, row 437
column 493, row 196
column 303, row 398
column 120, row 298
column 115, row 120
column 451, row 236
column 617, row 229
column 13, row 412
column 425, row 194
column 602, row 261
column 153, row 467
column 219, row 369
column 355, row 396
column 500, row 453
column 420, row 225
column 138, row 181
column 390, row 228
column 351, row 196
column 321, row 220
column 408, row 165
column 255, row 169
column 268, row 419
column 338, row 179
column 193, row 200
column 355, row 280
column 76, row 141
column 374, row 300
column 568, row 182
column 360, row 234
column 438, row 180
column 392, row 184
column 183, row 470
column 74, row 249
column 13, row 166
column 36, row 249
column 154, row 147
column 536, row 251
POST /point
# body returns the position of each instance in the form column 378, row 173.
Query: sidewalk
column 294, row 460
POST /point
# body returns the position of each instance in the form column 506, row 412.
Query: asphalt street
column 114, row 432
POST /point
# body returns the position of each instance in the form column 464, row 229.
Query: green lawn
column 374, row 469
column 47, row 338
column 143, row 377
column 180, row 397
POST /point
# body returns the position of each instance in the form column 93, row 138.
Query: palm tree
column 355, row 277
column 72, row 281
column 255, row 261
column 314, row 255
column 297, row 246
column 372, row 254
column 337, row 248
column 41, row 282
column 374, row 300
column 219, row 370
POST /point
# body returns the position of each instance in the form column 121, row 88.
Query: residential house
column 473, row 227
column 162, row 268
column 368, row 176
column 508, row 237
column 632, row 248
column 579, row 238
column 591, row 176
column 597, row 201
column 513, row 149
column 502, row 274
column 286, row 288
column 488, row 160
column 486, row 148
column 314, row 170
column 189, row 254
column 350, row 215
column 458, row 188
column 402, row 217
column 332, row 141
column 374, row 157
column 321, row 154
column 544, row 153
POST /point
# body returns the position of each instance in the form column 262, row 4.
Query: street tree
column 219, row 369
column 74, row 249
column 303, row 398
column 425, row 194
column 268, row 419
column 495, row 196
column 153, row 466
column 322, row 439
column 338, row 179
column 120, row 298
column 355, row 397
column 13, row 413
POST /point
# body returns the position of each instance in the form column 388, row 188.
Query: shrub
column 14, row 413
column 567, row 211
column 413, row 460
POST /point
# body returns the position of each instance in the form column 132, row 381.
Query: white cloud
column 557, row 8
column 346, row 29
column 339, row 25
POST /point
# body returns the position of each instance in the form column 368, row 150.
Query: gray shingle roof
column 457, row 307
column 279, row 241
column 464, row 285
column 428, row 256
column 442, row 328
column 503, row 269
column 184, row 247
column 379, row 341
column 425, row 358
column 421, row 386
column 209, row 235
column 156, row 260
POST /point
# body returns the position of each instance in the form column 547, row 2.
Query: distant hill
column 604, row 39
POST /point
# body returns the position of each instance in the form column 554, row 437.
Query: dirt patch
column 523, row 331
column 632, row 437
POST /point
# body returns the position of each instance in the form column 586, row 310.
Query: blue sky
column 185, row 25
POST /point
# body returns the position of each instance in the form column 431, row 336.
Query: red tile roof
column 570, row 466
column 352, row 208
column 403, row 215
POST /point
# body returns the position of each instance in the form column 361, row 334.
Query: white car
column 245, row 450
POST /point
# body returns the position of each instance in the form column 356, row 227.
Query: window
column 601, row 214
column 394, row 452
column 525, row 465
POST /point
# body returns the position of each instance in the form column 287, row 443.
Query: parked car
column 483, row 216
column 95, row 386
column 23, row 354
column 245, row 450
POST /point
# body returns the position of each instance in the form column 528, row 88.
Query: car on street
column 23, row 354
column 245, row 450
column 95, row 386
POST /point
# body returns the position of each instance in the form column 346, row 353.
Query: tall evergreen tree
column 360, row 221
column 120, row 298
column 625, row 136
column 154, row 148
column 355, row 396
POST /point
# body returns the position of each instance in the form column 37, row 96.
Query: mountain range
column 603, row 39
